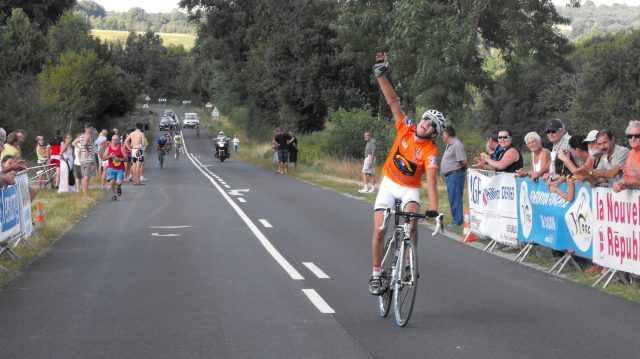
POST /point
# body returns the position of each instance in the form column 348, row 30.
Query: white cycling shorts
column 389, row 191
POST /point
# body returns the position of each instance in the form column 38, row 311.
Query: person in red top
column 412, row 155
column 116, row 157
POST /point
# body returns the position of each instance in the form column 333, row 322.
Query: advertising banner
column 10, row 209
column 617, row 229
column 22, row 182
column 493, row 206
column 547, row 219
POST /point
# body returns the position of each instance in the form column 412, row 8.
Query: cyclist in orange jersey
column 412, row 155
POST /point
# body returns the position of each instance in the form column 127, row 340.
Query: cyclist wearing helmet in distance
column 412, row 154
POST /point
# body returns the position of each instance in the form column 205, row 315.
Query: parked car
column 165, row 123
column 190, row 120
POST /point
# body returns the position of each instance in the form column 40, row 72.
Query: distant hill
column 590, row 19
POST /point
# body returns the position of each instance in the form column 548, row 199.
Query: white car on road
column 190, row 120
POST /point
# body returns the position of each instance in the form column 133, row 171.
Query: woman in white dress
column 66, row 166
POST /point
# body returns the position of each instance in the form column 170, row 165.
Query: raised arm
column 379, row 70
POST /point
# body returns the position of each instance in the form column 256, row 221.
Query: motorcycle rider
column 221, row 137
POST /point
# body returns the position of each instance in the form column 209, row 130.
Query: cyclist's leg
column 411, row 203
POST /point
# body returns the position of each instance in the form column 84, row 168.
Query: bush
column 346, row 129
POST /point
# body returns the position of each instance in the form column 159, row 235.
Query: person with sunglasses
column 412, row 155
column 631, row 169
column 510, row 160
column 559, row 137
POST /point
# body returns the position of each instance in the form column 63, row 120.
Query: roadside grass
column 61, row 212
column 186, row 40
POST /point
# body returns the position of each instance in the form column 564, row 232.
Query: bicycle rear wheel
column 405, row 284
column 384, row 300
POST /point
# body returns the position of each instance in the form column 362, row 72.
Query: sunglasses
column 503, row 137
column 633, row 135
column 551, row 131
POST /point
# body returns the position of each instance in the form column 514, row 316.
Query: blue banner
column 547, row 219
column 10, row 209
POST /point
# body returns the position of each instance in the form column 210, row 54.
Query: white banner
column 616, row 234
column 493, row 207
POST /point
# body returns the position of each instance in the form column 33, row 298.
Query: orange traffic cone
column 40, row 223
column 467, row 235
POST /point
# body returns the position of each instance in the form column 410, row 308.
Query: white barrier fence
column 598, row 224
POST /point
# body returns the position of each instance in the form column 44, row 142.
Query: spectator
column 540, row 157
column 8, row 170
column 579, row 149
column 583, row 149
column 11, row 147
column 87, row 161
column 235, row 142
column 558, row 136
column 283, row 152
column 43, row 153
column 292, row 147
column 631, row 169
column 613, row 159
column 453, row 167
column 274, row 148
column 76, row 159
column 492, row 148
column 369, row 164
column 100, row 144
column 22, row 136
column 509, row 159
column 3, row 138
column 67, row 177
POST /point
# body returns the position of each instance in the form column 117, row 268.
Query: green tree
column 82, row 87
column 21, row 46
column 44, row 12
column 87, row 8
column 72, row 33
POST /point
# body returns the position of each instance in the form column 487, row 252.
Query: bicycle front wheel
column 405, row 284
column 384, row 300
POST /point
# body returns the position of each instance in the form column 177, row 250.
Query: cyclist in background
column 177, row 140
column 413, row 154
column 162, row 146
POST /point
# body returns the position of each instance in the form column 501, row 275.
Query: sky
column 169, row 5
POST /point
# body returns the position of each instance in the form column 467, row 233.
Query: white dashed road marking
column 317, row 300
column 315, row 270
column 265, row 223
column 242, row 200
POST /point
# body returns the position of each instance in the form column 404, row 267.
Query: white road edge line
column 265, row 223
column 317, row 300
column 315, row 270
column 169, row 227
column 282, row 261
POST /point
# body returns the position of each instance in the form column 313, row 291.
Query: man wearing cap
column 558, row 136
column 87, row 162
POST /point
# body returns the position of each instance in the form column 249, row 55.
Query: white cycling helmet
column 437, row 119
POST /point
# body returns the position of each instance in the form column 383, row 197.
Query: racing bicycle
column 399, row 264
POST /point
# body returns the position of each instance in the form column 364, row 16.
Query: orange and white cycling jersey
column 408, row 160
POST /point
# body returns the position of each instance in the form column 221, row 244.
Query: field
column 186, row 40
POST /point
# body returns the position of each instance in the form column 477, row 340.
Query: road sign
column 208, row 105
column 215, row 112
column 147, row 98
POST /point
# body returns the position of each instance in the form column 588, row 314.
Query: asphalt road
column 227, row 260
